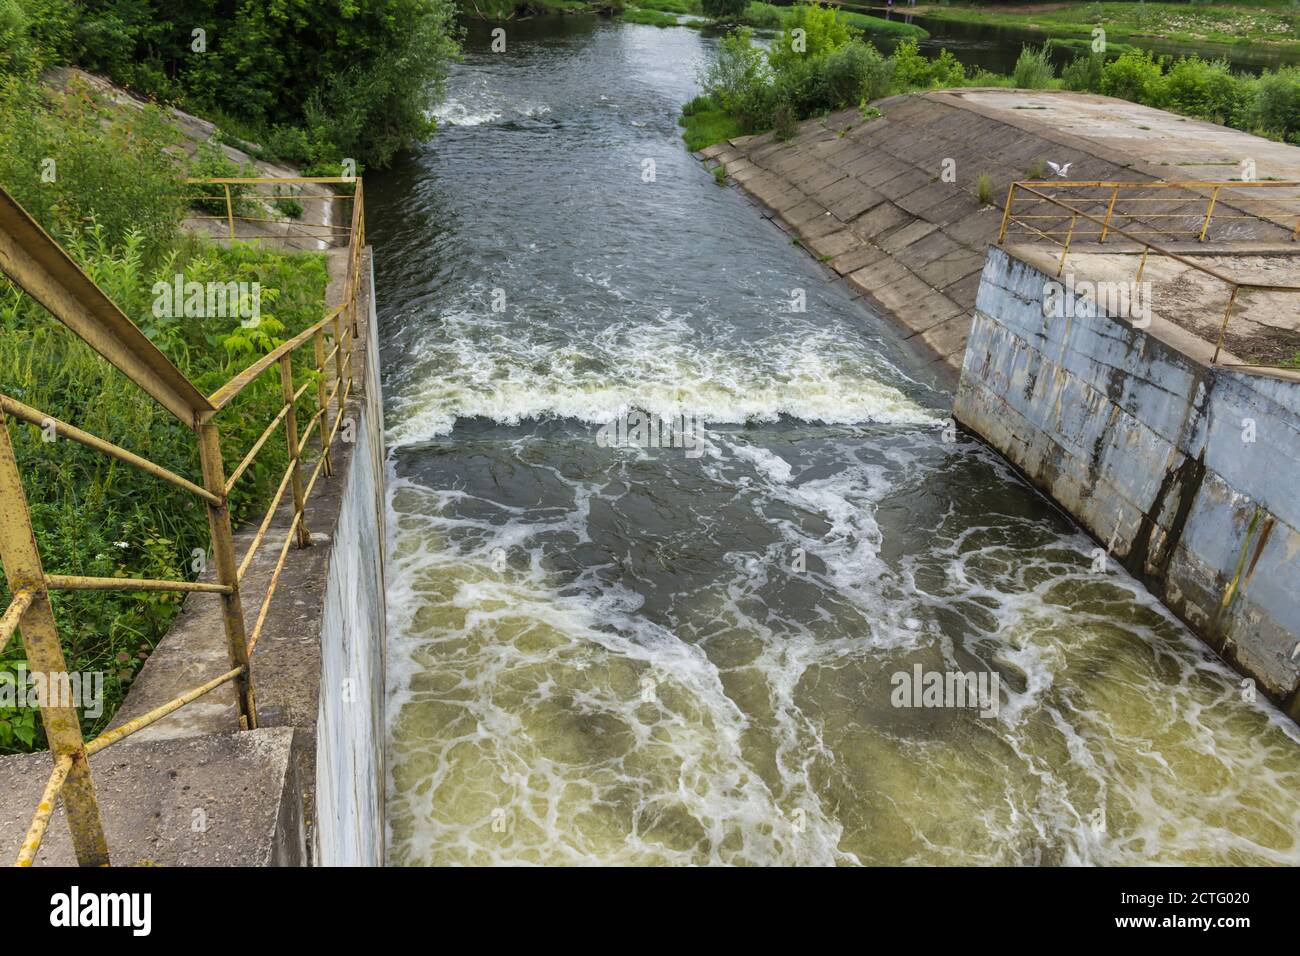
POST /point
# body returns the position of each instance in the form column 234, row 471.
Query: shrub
column 765, row 16
column 728, row 10
column 1033, row 70
column 853, row 73
column 822, row 31
column 1197, row 87
column 17, row 54
column 739, row 81
column 1133, row 76
column 911, row 70
column 1273, row 104
column 1083, row 73
column 984, row 189
column 784, row 122
column 946, row 70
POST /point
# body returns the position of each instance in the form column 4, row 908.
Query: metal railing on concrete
column 1038, row 224
column 37, row 264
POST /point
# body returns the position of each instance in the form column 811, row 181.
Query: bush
column 17, row 54
column 728, row 10
column 739, row 81
column 1033, row 70
column 764, row 16
column 784, row 122
column 911, row 70
column 1083, row 73
column 1202, row 88
column 1134, row 76
column 822, row 31
column 854, row 72
column 1273, row 104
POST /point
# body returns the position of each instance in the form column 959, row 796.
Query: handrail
column 39, row 266
column 1075, row 214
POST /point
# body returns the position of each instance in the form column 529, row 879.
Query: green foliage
column 114, row 204
column 811, row 31
column 1134, row 76
column 706, row 126
column 784, row 122
column 71, row 161
column 984, row 189
column 1083, row 73
column 1202, row 88
column 912, row 71
column 17, row 51
column 739, row 80
column 725, row 10
column 1273, row 105
column 763, row 16
column 852, row 73
column 652, row 18
column 1033, row 70
column 360, row 78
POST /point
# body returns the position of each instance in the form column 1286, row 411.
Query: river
column 641, row 655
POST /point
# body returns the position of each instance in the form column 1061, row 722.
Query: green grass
column 706, row 124
column 878, row 26
column 1272, row 24
column 653, row 18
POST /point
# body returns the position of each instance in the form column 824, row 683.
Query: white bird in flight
column 1060, row 170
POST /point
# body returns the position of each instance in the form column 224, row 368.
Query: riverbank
column 1275, row 24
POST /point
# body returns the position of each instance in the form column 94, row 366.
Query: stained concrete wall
column 1185, row 472
column 350, row 768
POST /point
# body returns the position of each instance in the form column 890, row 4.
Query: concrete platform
column 215, row 800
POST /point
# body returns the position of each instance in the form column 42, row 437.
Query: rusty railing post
column 322, row 399
column 1143, row 264
column 1006, row 213
column 40, row 637
column 223, row 553
column 1105, row 226
column 291, row 434
column 1069, row 237
column 1223, row 332
column 1209, row 211
column 230, row 211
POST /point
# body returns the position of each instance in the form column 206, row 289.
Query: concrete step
column 214, row 800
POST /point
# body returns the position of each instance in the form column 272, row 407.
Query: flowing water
column 630, row 655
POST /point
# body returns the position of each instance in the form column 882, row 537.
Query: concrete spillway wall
column 1185, row 472
column 350, row 767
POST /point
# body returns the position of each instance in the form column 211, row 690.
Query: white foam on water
column 506, row 373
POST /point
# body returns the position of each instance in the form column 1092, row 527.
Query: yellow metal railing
column 1033, row 212
column 37, row 264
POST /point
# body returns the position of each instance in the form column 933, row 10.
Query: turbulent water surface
column 643, row 655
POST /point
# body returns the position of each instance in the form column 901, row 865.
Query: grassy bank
column 761, row 17
column 114, row 197
column 1186, row 22
column 749, row 90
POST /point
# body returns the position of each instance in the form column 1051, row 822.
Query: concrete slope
column 870, row 197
